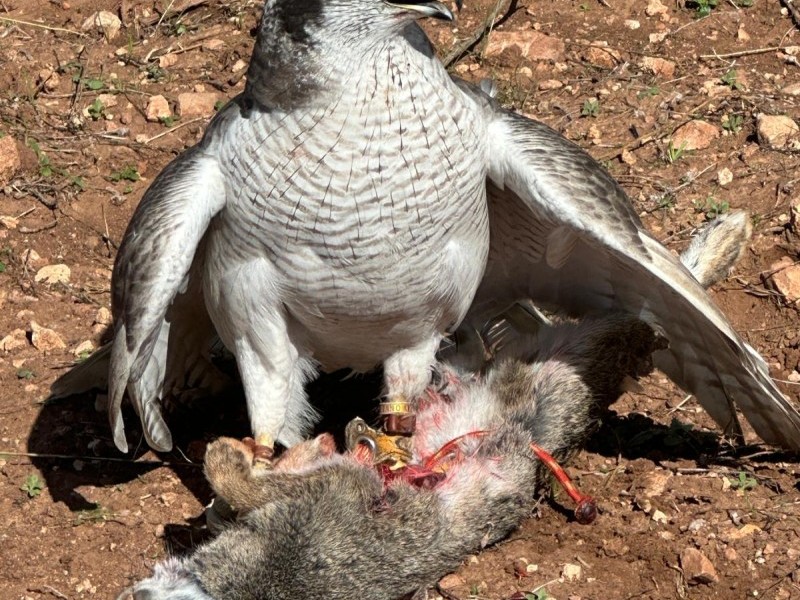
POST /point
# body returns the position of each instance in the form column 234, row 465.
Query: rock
column 10, row 160
column 632, row 24
column 158, row 109
column 550, row 84
column 654, row 7
column 45, row 340
column 694, row 135
column 600, row 54
column 49, row 79
column 103, row 316
column 31, row 257
column 655, row 38
column 697, row 568
column 14, row 341
column 655, row 483
column 659, row 517
column 724, row 176
column 213, row 44
column 53, row 274
column 239, row 65
column 659, row 66
column 786, row 278
column 108, row 100
column 571, row 572
column 167, row 60
column 532, row 45
column 742, row 35
column 792, row 89
column 9, row 222
column 730, row 554
column 776, row 131
column 193, row 104
column 105, row 21
column 451, row 581
column 83, row 349
column 627, row 157
column 794, row 376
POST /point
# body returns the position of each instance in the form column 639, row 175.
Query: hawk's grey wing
column 152, row 267
column 565, row 235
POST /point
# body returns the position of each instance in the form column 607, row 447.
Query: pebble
column 105, row 21
column 194, row 104
column 694, row 135
column 571, row 572
column 15, row 340
column 44, row 339
column 157, row 109
column 53, row 274
column 697, row 568
column 10, row 161
column 786, row 278
column 776, row 131
column 533, row 45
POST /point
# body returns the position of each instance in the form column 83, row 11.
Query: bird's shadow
column 70, row 441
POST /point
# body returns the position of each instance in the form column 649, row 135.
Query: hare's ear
column 718, row 247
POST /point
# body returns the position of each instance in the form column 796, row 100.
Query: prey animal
column 355, row 204
column 318, row 524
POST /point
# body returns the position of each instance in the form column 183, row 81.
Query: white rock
column 724, row 176
column 85, row 347
column 44, row 339
column 53, row 274
column 632, row 24
column 776, row 131
column 105, row 21
column 571, row 572
column 157, row 109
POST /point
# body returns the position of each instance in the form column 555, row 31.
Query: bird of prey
column 355, row 204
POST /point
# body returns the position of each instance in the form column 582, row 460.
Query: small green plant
column 168, row 120
column 83, row 356
column 591, row 108
column 128, row 173
column 33, row 486
column 78, row 182
column 155, row 73
column 96, row 110
column 744, row 3
column 180, row 28
column 46, row 169
column 94, row 83
column 702, row 8
column 583, row 7
column 666, row 202
column 540, row 594
column 219, row 104
column 730, row 79
column 2, row 267
column 98, row 514
column 712, row 207
column 25, row 374
column 675, row 154
column 649, row 92
column 732, row 123
column 744, row 482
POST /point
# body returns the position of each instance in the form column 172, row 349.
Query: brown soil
column 664, row 480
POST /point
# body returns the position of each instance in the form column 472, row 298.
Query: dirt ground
column 80, row 520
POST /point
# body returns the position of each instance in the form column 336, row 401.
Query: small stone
column 743, row 532
column 655, row 38
column 9, row 222
column 213, row 44
column 769, row 548
column 660, row 67
column 532, row 45
column 730, row 554
column 694, row 135
column 571, row 572
column 600, row 54
column 167, row 60
column 627, row 157
column 724, row 176
column 742, row 35
column 654, row 7
column 49, row 79
column 10, row 160
column 192, row 104
column 794, row 376
column 776, row 131
column 550, row 84
column 655, row 483
column 786, row 278
column 158, row 109
column 108, row 100
column 697, row 525
column 15, row 340
column 451, row 581
column 239, row 65
column 84, row 348
column 697, row 568
column 792, row 89
column 53, row 274
column 105, row 21
column 44, row 339
column 103, row 316
column 632, row 24
column 659, row 517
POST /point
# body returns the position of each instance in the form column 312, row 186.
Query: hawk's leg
column 406, row 375
column 253, row 324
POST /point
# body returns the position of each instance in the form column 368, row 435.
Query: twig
column 789, row 4
column 473, row 40
column 146, row 463
column 168, row 131
column 23, row 229
column 163, row 15
column 742, row 53
column 42, row 26
column 47, row 589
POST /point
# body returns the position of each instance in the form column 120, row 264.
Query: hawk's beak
column 437, row 10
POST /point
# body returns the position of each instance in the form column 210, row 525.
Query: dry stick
column 742, row 53
column 789, row 4
column 493, row 19
column 146, row 463
column 168, row 131
column 42, row 26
